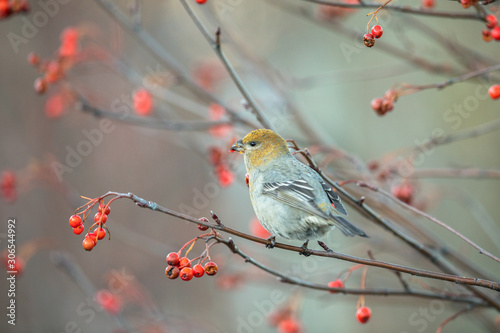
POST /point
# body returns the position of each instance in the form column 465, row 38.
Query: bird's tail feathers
column 348, row 228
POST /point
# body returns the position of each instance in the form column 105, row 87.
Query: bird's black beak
column 237, row 146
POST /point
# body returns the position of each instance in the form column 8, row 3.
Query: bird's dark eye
column 253, row 143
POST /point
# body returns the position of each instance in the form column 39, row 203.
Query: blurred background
column 308, row 70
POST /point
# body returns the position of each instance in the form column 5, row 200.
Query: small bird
column 290, row 199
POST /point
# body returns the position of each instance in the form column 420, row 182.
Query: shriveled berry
column 494, row 91
column 184, row 262
column 172, row 272
column 78, row 230
column 173, row 259
column 363, row 314
column 369, row 40
column 211, row 268
column 198, row 270
column 491, row 21
column 75, row 221
column 486, row 35
column 186, row 273
column 40, row 85
column 335, row 284
column 98, row 215
column 377, row 31
column 203, row 227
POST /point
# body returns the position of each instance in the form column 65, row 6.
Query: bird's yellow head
column 261, row 147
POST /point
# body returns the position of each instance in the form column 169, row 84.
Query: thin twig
column 348, row 291
column 403, row 9
column 454, row 316
column 329, row 254
column 215, row 43
column 427, row 216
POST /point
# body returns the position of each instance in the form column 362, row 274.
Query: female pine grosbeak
column 290, row 199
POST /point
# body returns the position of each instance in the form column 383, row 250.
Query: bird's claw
column 271, row 242
column 305, row 250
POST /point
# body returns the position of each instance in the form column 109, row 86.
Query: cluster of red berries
column 219, row 160
column 53, row 70
column 143, row 102
column 376, row 33
column 384, row 104
column 178, row 266
column 8, row 186
column 8, row 8
column 493, row 30
column 91, row 238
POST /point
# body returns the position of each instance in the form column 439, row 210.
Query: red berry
column 466, row 3
column 40, row 85
column 377, row 31
column 108, row 210
column 335, row 284
column 33, row 59
column 211, row 268
column 198, row 271
column 376, row 104
column 494, row 91
column 88, row 243
column 225, row 176
column 100, row 233
column 486, row 35
column 428, row 3
column 363, row 314
column 387, row 105
column 369, row 40
column 55, row 105
column 78, row 230
column 172, row 272
column 97, row 217
column 289, row 325
column 257, row 229
column 215, row 155
column 143, row 102
column 201, row 2
column 186, row 274
column 491, row 21
column 403, row 192
column 247, row 180
column 173, row 259
column 184, row 262
column 108, row 301
column 495, row 33
column 75, row 221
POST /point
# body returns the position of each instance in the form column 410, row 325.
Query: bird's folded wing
column 296, row 193
column 334, row 199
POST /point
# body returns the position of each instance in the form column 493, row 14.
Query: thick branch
column 330, row 254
